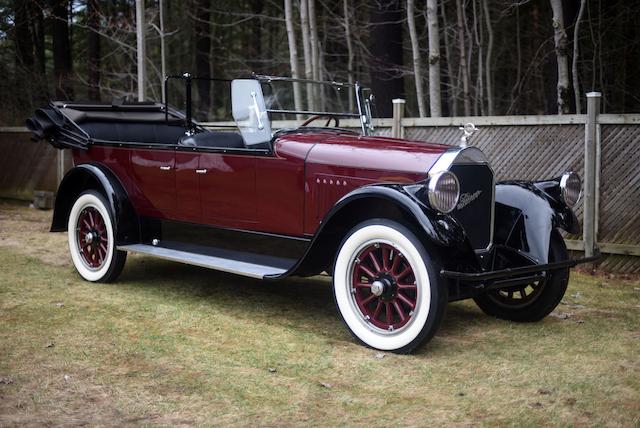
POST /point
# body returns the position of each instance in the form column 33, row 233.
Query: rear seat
column 214, row 139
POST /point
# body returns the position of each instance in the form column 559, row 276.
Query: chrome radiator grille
column 475, row 209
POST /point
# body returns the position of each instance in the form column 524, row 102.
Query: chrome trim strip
column 218, row 263
column 458, row 155
column 493, row 210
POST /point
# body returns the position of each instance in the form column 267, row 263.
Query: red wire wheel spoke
column 92, row 237
column 393, row 305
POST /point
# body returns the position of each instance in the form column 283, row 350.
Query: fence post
column 397, row 131
column 589, row 233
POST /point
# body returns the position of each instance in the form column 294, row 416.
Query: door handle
column 201, row 171
column 165, row 168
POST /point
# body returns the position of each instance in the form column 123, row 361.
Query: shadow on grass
column 305, row 303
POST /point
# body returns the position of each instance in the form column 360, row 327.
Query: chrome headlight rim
column 565, row 182
column 433, row 190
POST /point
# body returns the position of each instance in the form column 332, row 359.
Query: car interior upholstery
column 214, row 139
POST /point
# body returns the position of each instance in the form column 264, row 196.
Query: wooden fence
column 520, row 147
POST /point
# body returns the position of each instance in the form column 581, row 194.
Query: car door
column 227, row 189
column 187, row 207
column 153, row 171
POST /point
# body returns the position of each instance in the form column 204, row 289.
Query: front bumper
column 490, row 280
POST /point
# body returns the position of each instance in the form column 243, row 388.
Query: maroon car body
column 287, row 192
column 403, row 226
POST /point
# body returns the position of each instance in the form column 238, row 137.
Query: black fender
column 391, row 201
column 526, row 214
column 93, row 176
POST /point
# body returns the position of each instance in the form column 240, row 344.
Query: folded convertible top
column 66, row 124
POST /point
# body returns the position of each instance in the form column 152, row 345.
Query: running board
column 253, row 265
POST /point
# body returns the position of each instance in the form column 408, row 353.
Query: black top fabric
column 214, row 139
column 132, row 116
column 155, row 133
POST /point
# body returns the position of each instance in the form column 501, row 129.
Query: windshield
column 286, row 97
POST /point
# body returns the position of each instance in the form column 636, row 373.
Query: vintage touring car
column 402, row 226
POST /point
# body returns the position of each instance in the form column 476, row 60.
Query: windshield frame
column 363, row 105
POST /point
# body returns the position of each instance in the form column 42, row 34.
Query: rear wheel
column 92, row 239
column 386, row 287
column 534, row 301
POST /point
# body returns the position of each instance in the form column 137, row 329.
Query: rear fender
column 90, row 176
column 390, row 201
column 526, row 215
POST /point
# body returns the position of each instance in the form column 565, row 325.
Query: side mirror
column 250, row 111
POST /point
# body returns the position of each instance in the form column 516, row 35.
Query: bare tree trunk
column 41, row 94
column 574, row 65
column 163, row 56
column 321, row 68
column 435, row 102
column 306, row 48
column 463, row 60
column 478, row 100
column 516, row 86
column 255, row 53
column 347, row 34
column 487, row 62
column 203, row 47
column 24, row 49
column 24, row 59
column 415, row 49
column 93, row 45
column 314, row 40
column 315, row 52
column 37, row 32
column 293, row 53
column 453, row 82
column 386, row 54
column 62, row 66
column 141, row 50
column 560, row 39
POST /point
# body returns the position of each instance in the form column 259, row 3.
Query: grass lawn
column 170, row 344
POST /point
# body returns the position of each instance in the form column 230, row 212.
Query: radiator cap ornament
column 468, row 129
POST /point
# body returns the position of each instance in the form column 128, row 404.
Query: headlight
column 444, row 191
column 570, row 188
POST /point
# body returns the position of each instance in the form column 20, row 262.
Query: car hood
column 413, row 158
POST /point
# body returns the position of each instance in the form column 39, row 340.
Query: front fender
column 441, row 230
column 391, row 201
column 525, row 217
column 91, row 176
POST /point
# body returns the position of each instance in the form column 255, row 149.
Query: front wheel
column 92, row 239
column 386, row 287
column 534, row 301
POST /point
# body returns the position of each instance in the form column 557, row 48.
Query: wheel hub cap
column 384, row 287
column 92, row 238
column 377, row 288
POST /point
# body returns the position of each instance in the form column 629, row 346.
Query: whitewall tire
column 91, row 235
column 387, row 287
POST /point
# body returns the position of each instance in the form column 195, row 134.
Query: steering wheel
column 318, row 116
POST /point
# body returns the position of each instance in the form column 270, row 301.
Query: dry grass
column 176, row 345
